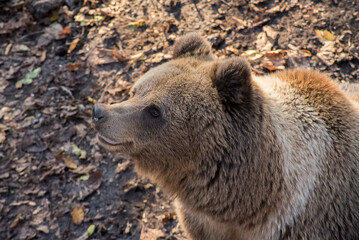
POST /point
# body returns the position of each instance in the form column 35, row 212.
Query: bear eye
column 132, row 93
column 154, row 111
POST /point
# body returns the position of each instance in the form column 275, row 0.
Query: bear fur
column 245, row 157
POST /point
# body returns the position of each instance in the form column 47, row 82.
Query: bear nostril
column 97, row 113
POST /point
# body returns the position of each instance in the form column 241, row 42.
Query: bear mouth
column 107, row 141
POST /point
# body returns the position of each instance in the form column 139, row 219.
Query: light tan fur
column 245, row 157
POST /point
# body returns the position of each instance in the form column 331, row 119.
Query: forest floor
column 59, row 57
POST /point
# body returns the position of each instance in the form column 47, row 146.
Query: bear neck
column 238, row 176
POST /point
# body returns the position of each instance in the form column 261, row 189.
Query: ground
column 58, row 58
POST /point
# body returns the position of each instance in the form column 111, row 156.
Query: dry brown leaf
column 239, row 22
column 327, row 53
column 43, row 228
column 69, row 162
column 118, row 55
column 271, row 33
column 30, row 203
column 138, row 57
column 24, row 20
column 121, row 86
column 168, row 217
column 325, row 35
column 262, row 43
column 123, row 166
column 3, row 85
column 51, row 33
column 232, row 50
column 16, row 220
column 83, row 169
column 7, row 49
column 66, row 31
column 252, row 55
column 274, row 60
column 150, row 234
column 306, row 53
column 74, row 66
column 156, row 58
column 3, row 129
column 78, row 214
column 43, row 56
column 73, row 45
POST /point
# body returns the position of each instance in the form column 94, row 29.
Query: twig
column 199, row 13
column 82, row 138
column 225, row 3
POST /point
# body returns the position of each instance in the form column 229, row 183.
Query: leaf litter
column 92, row 52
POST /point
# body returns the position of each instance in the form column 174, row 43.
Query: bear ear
column 192, row 45
column 232, row 79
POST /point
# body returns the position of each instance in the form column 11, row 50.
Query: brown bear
column 245, row 157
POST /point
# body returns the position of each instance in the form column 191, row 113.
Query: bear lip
column 107, row 140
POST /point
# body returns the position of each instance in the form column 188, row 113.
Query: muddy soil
column 58, row 58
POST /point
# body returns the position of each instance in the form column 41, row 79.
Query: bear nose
column 97, row 113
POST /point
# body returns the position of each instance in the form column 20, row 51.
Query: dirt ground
column 59, row 57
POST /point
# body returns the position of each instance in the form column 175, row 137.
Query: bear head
column 178, row 113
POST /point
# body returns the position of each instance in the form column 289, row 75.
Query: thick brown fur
column 245, row 157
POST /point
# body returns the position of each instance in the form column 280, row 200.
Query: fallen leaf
column 252, row 55
column 78, row 214
column 91, row 230
column 51, row 33
column 69, row 162
column 239, row 22
column 274, row 60
column 3, row 85
column 271, row 33
column 4, row 175
column 74, row 66
column 83, row 169
column 91, row 100
column 20, row 48
column 325, row 35
column 118, row 55
column 16, row 221
column 3, row 129
column 54, row 15
column 23, row 20
column 43, row 228
column 168, row 217
column 66, row 31
column 262, row 43
column 156, row 58
column 25, row 202
column 80, row 153
column 138, row 57
column 84, row 177
column 7, row 49
column 137, row 24
column 86, row 188
column 43, row 56
column 150, row 234
column 327, row 53
column 73, row 45
column 28, row 78
column 4, row 111
column 232, row 50
column 306, row 53
column 120, row 87
column 123, row 166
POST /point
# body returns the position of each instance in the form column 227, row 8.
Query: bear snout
column 97, row 113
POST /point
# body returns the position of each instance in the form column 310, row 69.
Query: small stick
column 199, row 13
column 82, row 138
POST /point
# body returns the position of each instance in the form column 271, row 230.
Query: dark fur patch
column 232, row 78
column 192, row 45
